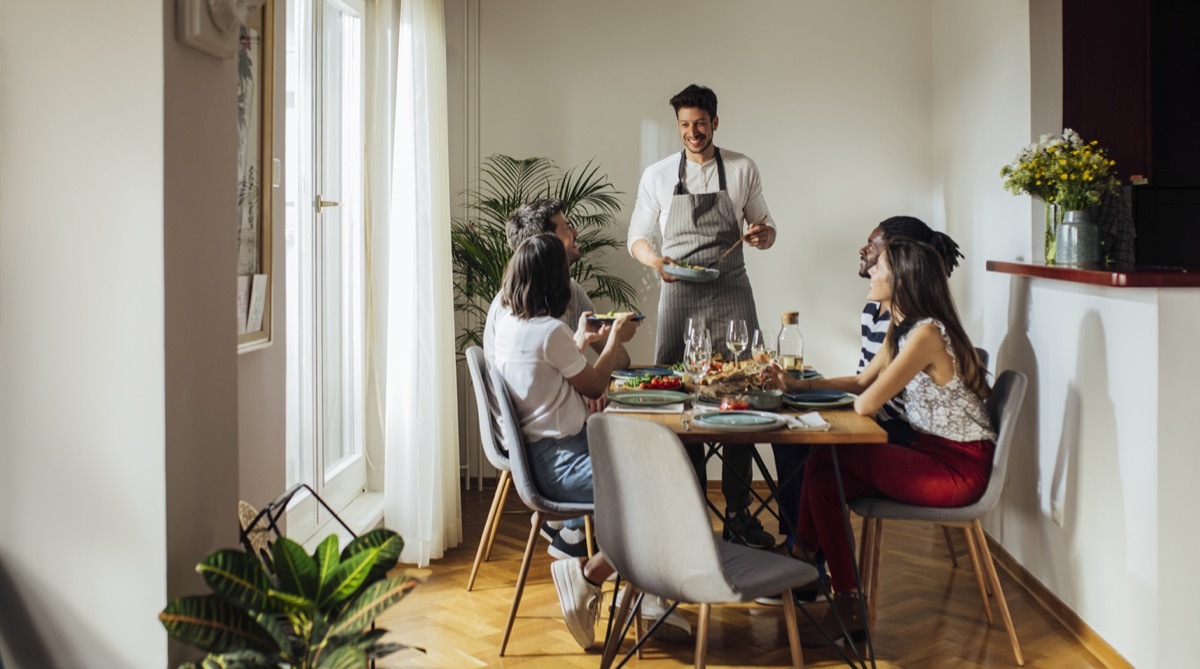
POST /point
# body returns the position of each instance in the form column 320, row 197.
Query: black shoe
column 563, row 549
column 743, row 528
column 845, row 612
column 549, row 533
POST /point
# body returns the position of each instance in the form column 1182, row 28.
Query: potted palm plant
column 480, row 248
column 293, row 609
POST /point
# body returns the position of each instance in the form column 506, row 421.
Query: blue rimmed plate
column 689, row 274
column 737, row 421
column 647, row 398
column 819, row 399
column 605, row 319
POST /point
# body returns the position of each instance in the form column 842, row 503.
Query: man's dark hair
column 530, row 220
column 913, row 228
column 700, row 97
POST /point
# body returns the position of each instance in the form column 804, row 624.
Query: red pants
column 932, row 471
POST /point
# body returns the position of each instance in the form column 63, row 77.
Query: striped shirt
column 891, row 415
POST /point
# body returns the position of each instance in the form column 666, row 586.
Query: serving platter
column 635, row 372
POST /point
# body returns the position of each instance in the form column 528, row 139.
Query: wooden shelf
column 1112, row 276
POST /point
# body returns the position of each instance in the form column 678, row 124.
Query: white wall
column 831, row 99
column 83, row 501
column 1104, row 455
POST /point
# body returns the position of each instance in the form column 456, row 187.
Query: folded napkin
column 807, row 421
column 616, row 407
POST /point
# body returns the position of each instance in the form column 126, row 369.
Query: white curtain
column 413, row 371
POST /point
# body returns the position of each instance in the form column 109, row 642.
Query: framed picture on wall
column 255, row 283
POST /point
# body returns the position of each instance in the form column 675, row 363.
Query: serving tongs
column 735, row 245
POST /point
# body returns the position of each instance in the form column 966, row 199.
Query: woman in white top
column 927, row 355
column 548, row 378
column 546, row 374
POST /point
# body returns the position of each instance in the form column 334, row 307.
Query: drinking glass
column 736, row 338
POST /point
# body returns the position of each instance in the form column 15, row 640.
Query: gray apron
column 699, row 228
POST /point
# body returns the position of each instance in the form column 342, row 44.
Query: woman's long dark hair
column 920, row 290
column 538, row 279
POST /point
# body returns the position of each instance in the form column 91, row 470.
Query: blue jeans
column 562, row 470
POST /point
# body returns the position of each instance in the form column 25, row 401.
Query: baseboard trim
column 1087, row 637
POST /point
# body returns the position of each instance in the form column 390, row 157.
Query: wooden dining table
column 847, row 429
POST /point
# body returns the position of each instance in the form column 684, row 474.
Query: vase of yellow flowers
column 1070, row 175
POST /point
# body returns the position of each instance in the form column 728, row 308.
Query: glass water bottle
column 790, row 344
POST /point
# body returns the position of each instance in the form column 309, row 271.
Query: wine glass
column 697, row 356
column 695, row 326
column 762, row 348
column 736, row 339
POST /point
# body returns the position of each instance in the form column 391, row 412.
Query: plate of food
column 636, row 372
column 819, row 399
column 646, row 398
column 687, row 272
column 612, row 316
column 653, row 382
column 737, row 421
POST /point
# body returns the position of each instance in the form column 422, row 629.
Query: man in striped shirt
column 891, row 415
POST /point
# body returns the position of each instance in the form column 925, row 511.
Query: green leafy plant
column 480, row 247
column 301, row 611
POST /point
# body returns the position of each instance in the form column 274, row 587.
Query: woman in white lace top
column 928, row 355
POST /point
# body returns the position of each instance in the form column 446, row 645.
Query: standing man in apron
column 696, row 203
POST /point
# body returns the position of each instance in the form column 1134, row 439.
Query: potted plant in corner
column 479, row 245
column 293, row 610
column 1070, row 175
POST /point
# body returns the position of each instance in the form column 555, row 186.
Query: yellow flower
column 1063, row 177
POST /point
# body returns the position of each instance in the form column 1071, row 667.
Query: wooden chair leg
column 589, row 535
column 950, row 546
column 793, row 628
column 521, row 576
column 613, row 644
column 980, row 575
column 702, row 636
column 866, row 537
column 639, row 626
column 493, row 519
column 994, row 577
column 876, row 559
column 503, row 486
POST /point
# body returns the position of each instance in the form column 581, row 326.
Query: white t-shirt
column 580, row 303
column 536, row 357
column 657, row 187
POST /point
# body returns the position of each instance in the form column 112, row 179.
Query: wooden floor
column 930, row 614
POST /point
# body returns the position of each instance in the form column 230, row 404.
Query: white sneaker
column 674, row 629
column 580, row 600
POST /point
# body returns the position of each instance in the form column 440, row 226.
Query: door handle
column 321, row 204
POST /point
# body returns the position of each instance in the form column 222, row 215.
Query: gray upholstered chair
column 512, row 440
column 983, row 358
column 485, row 405
column 1004, row 407
column 641, row 473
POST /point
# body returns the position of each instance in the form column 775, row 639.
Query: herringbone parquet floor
column 930, row 614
